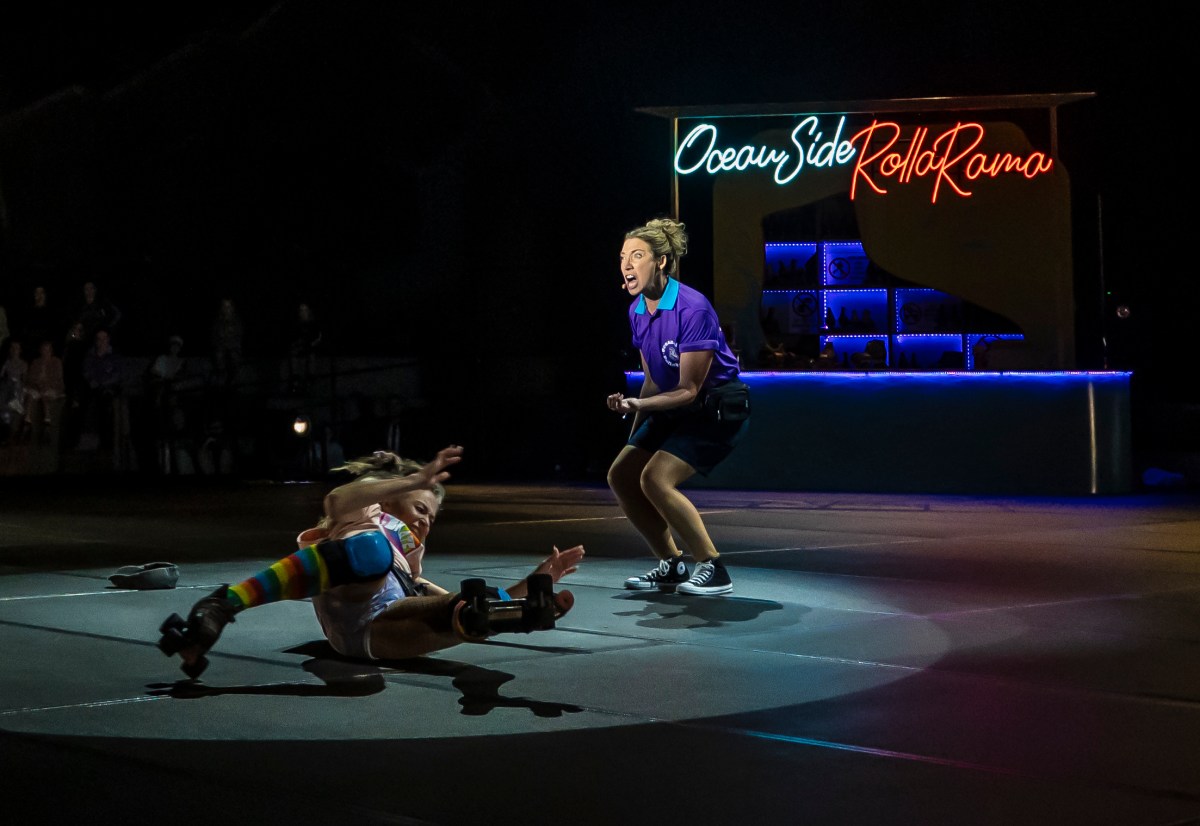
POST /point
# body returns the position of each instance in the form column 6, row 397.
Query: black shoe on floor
column 668, row 574
column 709, row 579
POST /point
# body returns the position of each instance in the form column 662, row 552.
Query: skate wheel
column 172, row 623
column 564, row 601
column 171, row 641
column 472, row 589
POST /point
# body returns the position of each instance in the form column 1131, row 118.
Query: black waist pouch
column 729, row 402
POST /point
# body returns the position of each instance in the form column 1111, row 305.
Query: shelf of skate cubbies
column 965, row 341
column 968, row 339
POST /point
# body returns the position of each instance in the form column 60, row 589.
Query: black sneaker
column 668, row 574
column 709, row 579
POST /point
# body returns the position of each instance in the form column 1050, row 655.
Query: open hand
column 435, row 470
column 560, row 563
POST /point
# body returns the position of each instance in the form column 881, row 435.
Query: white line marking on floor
column 97, row 704
column 580, row 519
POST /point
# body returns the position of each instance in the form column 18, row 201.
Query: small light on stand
column 300, row 426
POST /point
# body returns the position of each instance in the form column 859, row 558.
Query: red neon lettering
column 946, row 160
column 890, row 164
column 865, row 160
column 925, row 162
column 1043, row 165
column 914, row 152
column 1030, row 167
column 978, row 165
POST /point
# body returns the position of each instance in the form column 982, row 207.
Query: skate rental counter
column 954, row 433
column 914, row 288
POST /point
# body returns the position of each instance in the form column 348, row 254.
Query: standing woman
column 691, row 412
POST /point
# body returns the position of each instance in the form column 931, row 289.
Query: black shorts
column 697, row 435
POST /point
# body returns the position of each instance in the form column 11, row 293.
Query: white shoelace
column 663, row 570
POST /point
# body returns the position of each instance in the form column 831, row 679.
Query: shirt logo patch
column 670, row 353
column 398, row 534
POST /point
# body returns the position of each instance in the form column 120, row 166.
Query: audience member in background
column 166, row 372
column 12, row 391
column 39, row 322
column 4, row 331
column 96, row 313
column 227, row 335
column 166, row 369
column 44, row 389
column 102, row 392
column 302, row 349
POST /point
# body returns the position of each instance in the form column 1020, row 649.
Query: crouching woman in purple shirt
column 691, row 411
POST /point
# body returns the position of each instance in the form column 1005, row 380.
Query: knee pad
column 359, row 558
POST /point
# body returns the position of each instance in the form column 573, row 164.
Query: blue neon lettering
column 729, row 159
column 699, row 150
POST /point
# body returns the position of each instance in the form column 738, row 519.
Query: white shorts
column 347, row 624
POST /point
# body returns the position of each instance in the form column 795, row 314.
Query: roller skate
column 191, row 638
column 481, row 613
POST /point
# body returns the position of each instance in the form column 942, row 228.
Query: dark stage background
column 451, row 183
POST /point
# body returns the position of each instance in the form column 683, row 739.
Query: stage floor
column 883, row 659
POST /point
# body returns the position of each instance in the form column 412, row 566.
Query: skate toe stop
column 195, row 668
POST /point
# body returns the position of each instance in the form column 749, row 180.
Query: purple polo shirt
column 684, row 322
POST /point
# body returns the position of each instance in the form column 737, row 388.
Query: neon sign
column 945, row 159
column 876, row 155
column 694, row 153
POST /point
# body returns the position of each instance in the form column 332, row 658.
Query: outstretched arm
column 557, row 565
column 362, row 493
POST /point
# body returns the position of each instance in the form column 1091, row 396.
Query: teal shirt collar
column 667, row 302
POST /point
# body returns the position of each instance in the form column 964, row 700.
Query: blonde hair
column 383, row 464
column 666, row 236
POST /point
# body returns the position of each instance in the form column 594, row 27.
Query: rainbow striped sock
column 303, row 574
